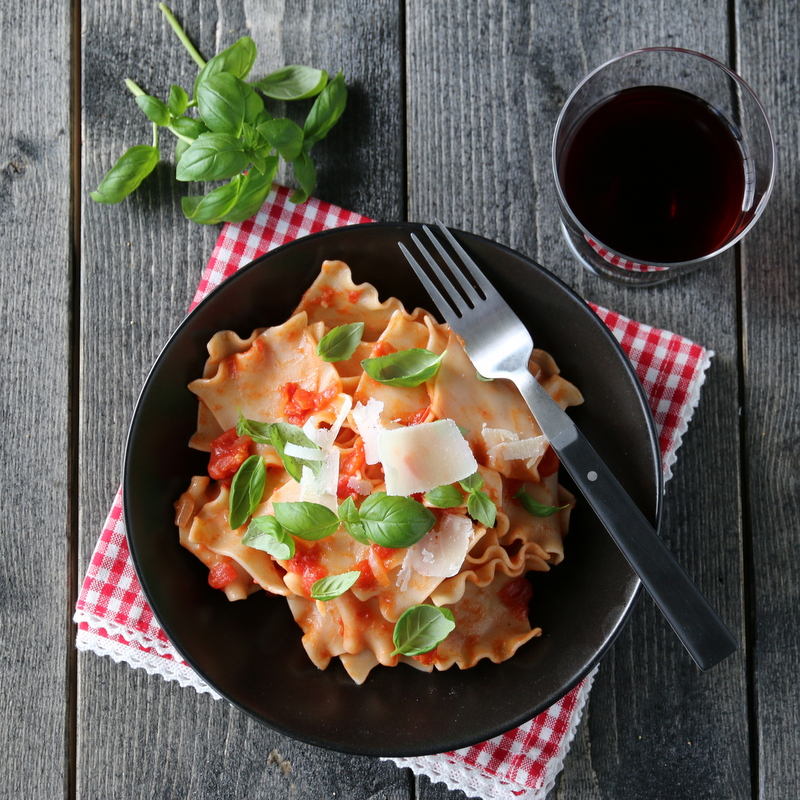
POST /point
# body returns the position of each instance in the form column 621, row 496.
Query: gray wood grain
column 485, row 85
column 139, row 737
column 769, row 47
column 35, row 268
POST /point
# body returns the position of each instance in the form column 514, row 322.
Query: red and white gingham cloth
column 114, row 619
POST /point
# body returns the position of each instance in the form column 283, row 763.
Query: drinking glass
column 663, row 159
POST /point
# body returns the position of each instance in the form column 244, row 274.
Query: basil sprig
column 267, row 534
column 234, row 137
column 247, row 487
column 479, row 504
column 334, row 585
column 407, row 368
column 420, row 629
column 339, row 343
column 534, row 507
column 279, row 434
column 309, row 521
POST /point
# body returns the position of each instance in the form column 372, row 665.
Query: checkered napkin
column 115, row 620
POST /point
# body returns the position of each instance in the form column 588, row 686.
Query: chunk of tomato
column 228, row 453
column 220, row 575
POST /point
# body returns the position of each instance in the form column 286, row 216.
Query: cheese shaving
column 367, row 419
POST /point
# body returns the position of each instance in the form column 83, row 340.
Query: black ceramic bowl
column 250, row 651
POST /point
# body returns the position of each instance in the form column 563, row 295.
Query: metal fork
column 500, row 346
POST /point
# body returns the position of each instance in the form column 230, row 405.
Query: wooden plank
column 35, row 267
column 486, row 83
column 769, row 52
column 139, row 736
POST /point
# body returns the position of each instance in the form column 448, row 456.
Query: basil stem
column 190, row 48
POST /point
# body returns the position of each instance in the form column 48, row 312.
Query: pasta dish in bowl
column 351, row 474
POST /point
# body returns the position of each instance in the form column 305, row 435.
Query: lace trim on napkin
column 473, row 781
column 123, row 645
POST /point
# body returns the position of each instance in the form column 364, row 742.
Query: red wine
column 655, row 174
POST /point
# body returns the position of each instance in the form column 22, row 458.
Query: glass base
column 598, row 266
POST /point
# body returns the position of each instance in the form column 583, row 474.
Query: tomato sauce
column 306, row 564
column 381, row 349
column 516, row 596
column 220, row 575
column 348, row 467
column 367, row 580
column 228, row 453
column 299, row 402
column 549, row 464
column 354, row 296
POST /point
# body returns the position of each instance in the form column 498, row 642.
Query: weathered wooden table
column 451, row 111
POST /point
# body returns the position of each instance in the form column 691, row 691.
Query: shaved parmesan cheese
column 507, row 445
column 325, row 437
column 367, row 419
column 307, row 453
column 321, row 488
column 360, row 485
column 421, row 457
column 441, row 552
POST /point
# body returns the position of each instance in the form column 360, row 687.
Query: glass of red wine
column 663, row 159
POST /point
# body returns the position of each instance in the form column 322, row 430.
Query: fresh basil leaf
column 247, row 487
column 481, row 378
column 283, row 432
column 395, row 522
column 189, row 126
column 306, row 520
column 221, row 101
column 263, row 116
column 133, row 166
column 180, row 148
column 339, row 343
column 444, row 497
column 481, row 508
column 257, row 431
column 238, row 60
column 293, row 82
column 251, row 138
column 473, row 483
column 178, row 100
column 211, row 208
column 155, row 110
column 334, row 585
column 325, row 112
column 535, row 508
column 405, row 368
column 265, row 533
column 284, row 135
column 348, row 511
column 348, row 514
column 212, row 157
column 253, row 103
column 253, row 193
column 421, row 628
column 306, row 174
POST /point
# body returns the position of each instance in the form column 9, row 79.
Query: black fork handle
column 694, row 621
